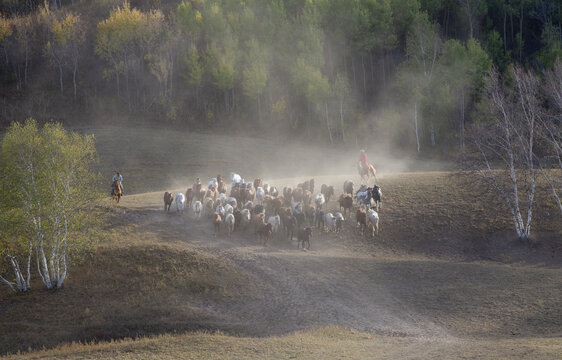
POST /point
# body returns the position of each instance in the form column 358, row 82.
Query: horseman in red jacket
column 363, row 160
column 368, row 169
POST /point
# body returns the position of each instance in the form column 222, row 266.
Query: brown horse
column 366, row 173
column 116, row 190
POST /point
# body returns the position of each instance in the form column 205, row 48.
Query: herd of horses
column 270, row 212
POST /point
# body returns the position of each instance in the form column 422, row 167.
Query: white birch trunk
column 9, row 283
column 226, row 100
column 354, row 72
column 416, row 125
column 6, row 55
column 74, row 77
column 432, row 133
column 26, row 62
column 259, row 110
column 341, row 120
column 60, row 78
column 171, row 76
column 364, row 79
column 308, row 119
column 328, row 123
column 21, row 283
column 462, row 122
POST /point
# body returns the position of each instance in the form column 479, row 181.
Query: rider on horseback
column 363, row 160
column 368, row 168
column 120, row 179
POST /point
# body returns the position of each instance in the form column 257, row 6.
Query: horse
column 366, row 173
column 116, row 190
column 376, row 194
column 168, row 199
column 304, row 236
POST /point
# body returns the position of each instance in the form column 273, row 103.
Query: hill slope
column 445, row 277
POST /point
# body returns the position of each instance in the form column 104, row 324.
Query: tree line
column 352, row 71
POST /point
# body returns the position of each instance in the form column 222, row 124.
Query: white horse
column 260, row 195
column 197, row 209
column 330, row 221
column 236, row 178
column 229, row 221
column 373, row 218
column 319, row 200
column 180, row 202
column 246, row 217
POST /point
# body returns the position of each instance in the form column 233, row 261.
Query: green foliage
column 222, row 72
column 433, row 7
column 190, row 19
column 52, row 192
column 552, row 49
column 255, row 73
column 403, row 15
column 127, row 36
column 373, row 26
column 196, row 69
column 341, row 86
column 464, row 66
column 423, row 45
column 309, row 82
column 495, row 49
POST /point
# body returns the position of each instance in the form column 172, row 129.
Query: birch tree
column 65, row 47
column 222, row 68
column 473, row 9
column 463, row 68
column 509, row 140
column 341, row 89
column 318, row 93
column 422, row 48
column 255, row 75
column 53, row 38
column 195, row 71
column 21, row 52
column 5, row 34
column 16, row 249
column 190, row 21
column 124, row 40
column 48, row 172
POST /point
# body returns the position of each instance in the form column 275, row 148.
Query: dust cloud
column 152, row 159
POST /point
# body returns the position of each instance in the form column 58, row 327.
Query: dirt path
column 330, row 284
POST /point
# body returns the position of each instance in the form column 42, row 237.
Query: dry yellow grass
column 324, row 343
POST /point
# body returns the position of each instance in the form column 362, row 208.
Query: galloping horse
column 116, row 190
column 366, row 173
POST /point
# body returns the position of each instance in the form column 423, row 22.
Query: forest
column 401, row 72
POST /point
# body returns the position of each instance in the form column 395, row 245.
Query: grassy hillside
column 445, row 277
